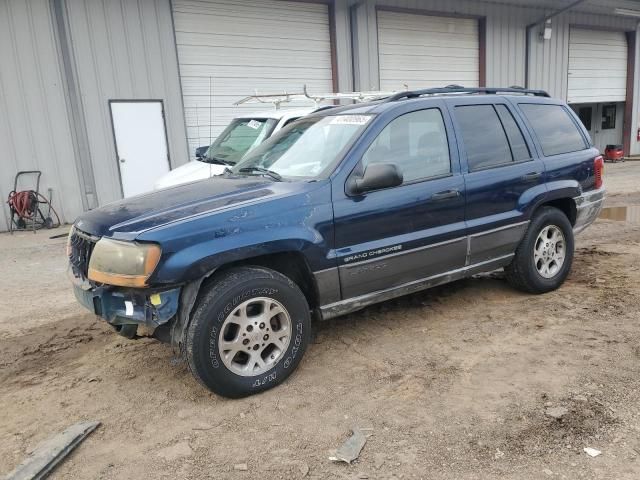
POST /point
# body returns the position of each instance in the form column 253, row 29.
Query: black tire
column 522, row 273
column 220, row 298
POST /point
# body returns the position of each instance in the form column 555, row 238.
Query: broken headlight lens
column 127, row 264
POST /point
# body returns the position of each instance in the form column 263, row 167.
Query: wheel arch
column 290, row 263
column 560, row 195
column 565, row 205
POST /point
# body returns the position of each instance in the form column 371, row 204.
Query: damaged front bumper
column 128, row 306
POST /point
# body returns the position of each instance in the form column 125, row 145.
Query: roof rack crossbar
column 460, row 89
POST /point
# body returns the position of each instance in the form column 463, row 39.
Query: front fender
column 199, row 260
column 193, row 248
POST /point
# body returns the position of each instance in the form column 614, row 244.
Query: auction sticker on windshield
column 350, row 119
column 254, row 124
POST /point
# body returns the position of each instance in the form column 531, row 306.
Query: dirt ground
column 453, row 382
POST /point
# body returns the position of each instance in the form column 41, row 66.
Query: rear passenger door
column 502, row 174
column 393, row 236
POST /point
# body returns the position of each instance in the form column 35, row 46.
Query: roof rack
column 449, row 89
column 355, row 96
column 276, row 99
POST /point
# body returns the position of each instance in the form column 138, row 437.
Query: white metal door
column 426, row 51
column 603, row 121
column 608, row 125
column 141, row 144
column 597, row 66
column 229, row 49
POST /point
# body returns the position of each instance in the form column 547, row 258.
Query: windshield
column 242, row 135
column 306, row 148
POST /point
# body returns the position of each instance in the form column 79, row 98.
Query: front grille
column 81, row 245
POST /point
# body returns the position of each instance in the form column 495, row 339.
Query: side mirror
column 377, row 176
column 201, row 152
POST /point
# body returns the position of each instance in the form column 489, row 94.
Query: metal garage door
column 426, row 51
column 597, row 66
column 228, row 49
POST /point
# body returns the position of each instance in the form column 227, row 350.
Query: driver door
column 394, row 236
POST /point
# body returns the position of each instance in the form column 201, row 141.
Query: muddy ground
column 453, row 382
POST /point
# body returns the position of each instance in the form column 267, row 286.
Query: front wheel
column 248, row 332
column 543, row 258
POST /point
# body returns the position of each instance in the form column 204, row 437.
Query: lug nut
column 249, row 328
column 266, row 337
column 256, row 346
column 262, row 325
column 245, row 341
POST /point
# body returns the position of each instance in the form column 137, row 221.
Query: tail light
column 598, row 170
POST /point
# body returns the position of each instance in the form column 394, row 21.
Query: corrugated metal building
column 79, row 77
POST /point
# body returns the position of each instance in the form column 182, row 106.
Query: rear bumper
column 588, row 207
column 147, row 307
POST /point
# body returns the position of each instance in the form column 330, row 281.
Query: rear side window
column 484, row 138
column 554, row 128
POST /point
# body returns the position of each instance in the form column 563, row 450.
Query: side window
column 485, row 141
column 554, row 128
column 416, row 142
column 519, row 148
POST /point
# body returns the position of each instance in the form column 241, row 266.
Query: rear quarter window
column 555, row 129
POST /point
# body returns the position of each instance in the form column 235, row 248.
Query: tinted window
column 484, row 139
column 416, row 142
column 554, row 128
column 519, row 149
column 608, row 117
column 585, row 116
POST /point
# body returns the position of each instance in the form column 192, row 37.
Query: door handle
column 444, row 195
column 122, row 160
column 531, row 177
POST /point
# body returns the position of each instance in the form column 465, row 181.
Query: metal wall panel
column 124, row 49
column 506, row 27
column 34, row 126
column 635, row 114
column 505, row 43
column 227, row 50
column 344, row 58
column 422, row 51
column 597, row 66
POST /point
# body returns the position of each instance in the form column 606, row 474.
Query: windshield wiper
column 265, row 171
column 218, row 161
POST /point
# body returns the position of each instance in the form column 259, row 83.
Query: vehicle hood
column 126, row 219
column 189, row 172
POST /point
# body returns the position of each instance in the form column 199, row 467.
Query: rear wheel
column 544, row 257
column 248, row 332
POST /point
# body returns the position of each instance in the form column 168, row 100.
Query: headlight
column 127, row 264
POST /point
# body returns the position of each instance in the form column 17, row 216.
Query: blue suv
column 344, row 208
